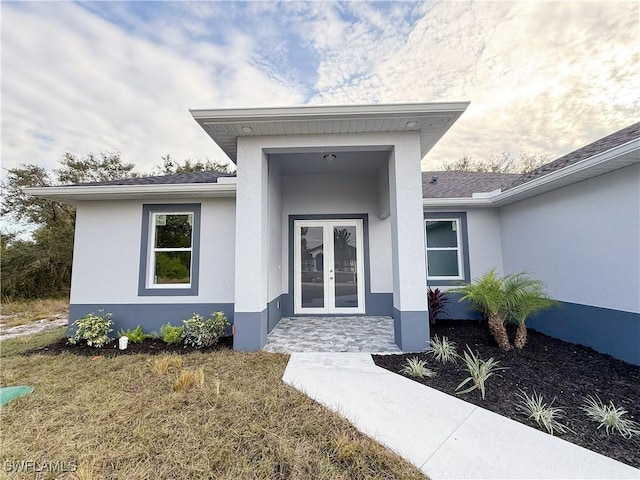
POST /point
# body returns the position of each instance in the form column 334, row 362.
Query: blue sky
column 543, row 77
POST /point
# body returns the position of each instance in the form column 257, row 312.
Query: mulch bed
column 552, row 368
column 153, row 346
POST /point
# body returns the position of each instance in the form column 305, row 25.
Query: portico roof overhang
column 431, row 120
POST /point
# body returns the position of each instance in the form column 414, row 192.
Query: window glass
column 173, row 231
column 172, row 268
column 442, row 263
column 443, row 249
column 442, row 233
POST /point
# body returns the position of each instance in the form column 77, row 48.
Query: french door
column 328, row 267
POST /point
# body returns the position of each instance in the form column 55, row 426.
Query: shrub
column 171, row 334
column 135, row 336
column 200, row 332
column 546, row 416
column 415, row 367
column 610, row 416
column 93, row 329
column 444, row 349
column 479, row 372
column 438, row 301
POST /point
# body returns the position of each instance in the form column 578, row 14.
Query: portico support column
column 410, row 314
column 250, row 315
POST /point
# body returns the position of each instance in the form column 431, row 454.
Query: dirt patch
column 38, row 326
column 551, row 367
column 151, row 346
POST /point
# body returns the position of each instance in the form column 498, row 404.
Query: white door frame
column 329, row 277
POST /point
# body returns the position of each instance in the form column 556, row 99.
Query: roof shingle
column 602, row 145
column 210, row 176
column 459, row 184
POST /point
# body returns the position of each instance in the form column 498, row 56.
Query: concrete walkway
column 443, row 436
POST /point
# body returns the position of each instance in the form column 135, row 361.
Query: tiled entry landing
column 332, row 334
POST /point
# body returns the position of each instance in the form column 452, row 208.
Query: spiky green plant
column 415, row 367
column 546, row 416
column 479, row 372
column 610, row 417
column 443, row 349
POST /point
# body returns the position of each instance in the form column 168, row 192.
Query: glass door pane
column 312, row 267
column 345, row 266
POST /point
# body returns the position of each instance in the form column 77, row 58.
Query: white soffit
column 432, row 120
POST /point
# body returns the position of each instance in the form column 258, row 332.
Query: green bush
column 200, row 332
column 93, row 329
column 171, row 334
column 135, row 336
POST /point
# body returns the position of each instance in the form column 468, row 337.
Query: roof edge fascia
column 538, row 185
column 309, row 112
column 79, row 193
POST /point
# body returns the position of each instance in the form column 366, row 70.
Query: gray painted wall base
column 608, row 331
column 274, row 312
column 150, row 316
column 411, row 330
column 251, row 330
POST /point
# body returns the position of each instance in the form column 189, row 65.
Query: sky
column 543, row 78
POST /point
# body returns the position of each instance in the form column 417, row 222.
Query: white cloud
column 542, row 77
column 81, row 84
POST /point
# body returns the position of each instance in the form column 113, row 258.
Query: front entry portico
column 324, row 161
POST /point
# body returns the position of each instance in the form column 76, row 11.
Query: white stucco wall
column 485, row 241
column 106, row 258
column 582, row 241
column 332, row 194
column 276, row 252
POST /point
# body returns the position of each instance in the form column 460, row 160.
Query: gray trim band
column 147, row 210
column 462, row 217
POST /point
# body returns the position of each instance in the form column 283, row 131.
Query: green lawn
column 120, row 418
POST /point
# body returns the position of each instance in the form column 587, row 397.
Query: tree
column 486, row 294
column 170, row 166
column 513, row 298
column 498, row 163
column 40, row 266
column 528, row 297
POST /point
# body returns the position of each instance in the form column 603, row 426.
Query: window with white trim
column 171, row 250
column 444, row 249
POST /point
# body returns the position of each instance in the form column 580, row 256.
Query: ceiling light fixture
column 246, row 129
column 330, row 157
column 411, row 124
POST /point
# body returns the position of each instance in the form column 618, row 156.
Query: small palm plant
column 526, row 297
column 487, row 295
column 512, row 298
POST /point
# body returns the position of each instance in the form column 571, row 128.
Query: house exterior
column 329, row 214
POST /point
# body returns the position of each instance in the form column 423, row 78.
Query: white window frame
column 152, row 249
column 461, row 272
